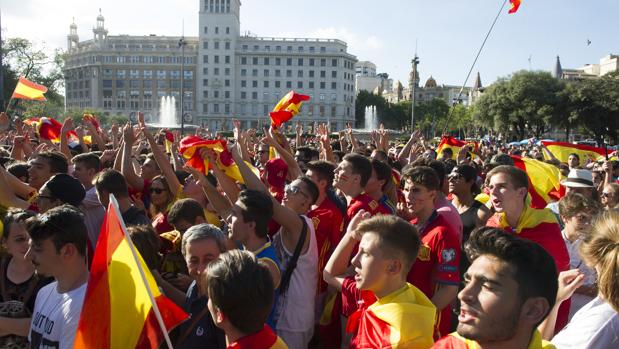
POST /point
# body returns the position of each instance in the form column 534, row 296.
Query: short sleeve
column 448, row 250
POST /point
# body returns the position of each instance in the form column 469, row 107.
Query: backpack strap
column 292, row 264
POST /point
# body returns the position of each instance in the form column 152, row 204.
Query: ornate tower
column 100, row 31
column 557, row 73
column 72, row 38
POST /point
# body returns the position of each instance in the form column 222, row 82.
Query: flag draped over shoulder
column 190, row 148
column 562, row 151
column 287, row 107
column 454, row 144
column 26, row 89
column 117, row 311
column 544, row 180
column 515, row 4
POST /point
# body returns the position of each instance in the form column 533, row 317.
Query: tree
column 26, row 59
column 527, row 103
column 594, row 105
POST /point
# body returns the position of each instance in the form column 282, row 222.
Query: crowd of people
column 312, row 240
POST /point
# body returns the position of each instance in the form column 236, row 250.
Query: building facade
column 608, row 64
column 226, row 75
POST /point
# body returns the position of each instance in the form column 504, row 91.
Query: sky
column 445, row 33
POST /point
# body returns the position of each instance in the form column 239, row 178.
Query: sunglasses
column 455, row 176
column 605, row 195
column 156, row 190
column 293, row 189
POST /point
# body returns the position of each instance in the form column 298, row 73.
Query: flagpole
column 473, row 65
column 142, row 274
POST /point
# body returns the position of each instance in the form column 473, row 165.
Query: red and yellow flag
column 190, row 148
column 544, row 180
column 93, row 120
column 117, row 311
column 47, row 128
column 515, row 4
column 454, row 144
column 287, row 107
column 169, row 140
column 26, row 89
column 562, row 151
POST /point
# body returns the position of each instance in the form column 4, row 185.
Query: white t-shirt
column 596, row 325
column 576, row 262
column 55, row 317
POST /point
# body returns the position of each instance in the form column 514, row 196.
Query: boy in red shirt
column 436, row 270
column 388, row 246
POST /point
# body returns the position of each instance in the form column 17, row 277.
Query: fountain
column 371, row 119
column 167, row 115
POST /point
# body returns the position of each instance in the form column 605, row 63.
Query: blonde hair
column 601, row 250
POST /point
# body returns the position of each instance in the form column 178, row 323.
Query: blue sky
column 448, row 32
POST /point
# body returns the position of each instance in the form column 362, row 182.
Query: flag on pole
column 544, row 180
column 562, row 151
column 26, row 89
column 515, row 5
column 123, row 307
column 287, row 107
column 190, row 148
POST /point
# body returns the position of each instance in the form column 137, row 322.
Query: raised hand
column 141, row 119
column 128, row 135
column 354, row 222
column 67, row 126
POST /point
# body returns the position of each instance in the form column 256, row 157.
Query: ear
column 68, row 250
column 522, row 192
column 534, row 310
column 394, row 267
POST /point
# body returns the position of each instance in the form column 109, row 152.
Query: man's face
column 418, row 197
column 374, row 185
column 44, row 257
column 490, row 306
column 182, row 225
column 370, row 264
column 457, row 183
column 573, row 161
column 199, row 254
column 45, row 200
column 296, row 196
column 503, row 195
column 262, row 155
column 301, row 159
column 238, row 227
column 313, row 176
column 84, row 174
column 579, row 224
column 149, row 169
column 39, row 172
column 344, row 179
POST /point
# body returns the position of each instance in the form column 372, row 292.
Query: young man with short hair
column 44, row 166
column 508, row 188
column 240, row 293
column 186, row 213
column 436, row 270
column 388, row 247
column 58, row 240
column 509, row 289
column 86, row 167
column 112, row 182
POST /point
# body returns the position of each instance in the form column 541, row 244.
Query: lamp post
column 181, row 44
column 415, row 61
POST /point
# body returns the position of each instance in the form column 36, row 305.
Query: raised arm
column 126, row 167
column 67, row 126
column 288, row 219
column 293, row 167
column 405, row 152
column 221, row 204
column 7, row 193
column 339, row 262
column 226, row 183
column 162, row 161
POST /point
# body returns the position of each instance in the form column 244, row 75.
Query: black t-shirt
column 25, row 292
column 204, row 334
column 134, row 216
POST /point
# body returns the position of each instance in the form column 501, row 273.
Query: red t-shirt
column 437, row 263
column 361, row 202
column 327, row 219
column 354, row 298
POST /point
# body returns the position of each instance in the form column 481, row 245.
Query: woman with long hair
column 596, row 325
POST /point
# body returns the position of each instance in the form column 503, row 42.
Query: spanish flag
column 287, row 107
column 26, row 89
column 93, row 120
column 562, row 151
column 169, row 140
column 47, row 128
column 190, row 148
column 454, row 144
column 403, row 319
column 544, row 180
column 515, row 5
column 117, row 311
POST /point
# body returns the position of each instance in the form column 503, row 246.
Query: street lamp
column 181, row 44
column 415, row 61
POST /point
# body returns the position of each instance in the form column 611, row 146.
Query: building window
column 120, row 83
column 323, row 74
column 228, row 10
column 289, row 61
column 277, row 84
column 266, row 61
column 266, row 84
column 334, row 62
column 278, row 61
column 254, row 83
column 216, row 30
column 254, row 72
column 299, row 84
column 300, row 73
column 311, row 84
column 227, row 82
column 243, row 60
column 120, row 73
column 216, row 59
column 148, row 74
column 205, row 59
column 300, row 62
column 205, row 82
column 254, row 61
column 288, row 84
column 148, row 84
column 311, row 73
column 334, row 73
column 205, row 30
column 322, row 96
column 215, row 94
column 227, row 60
column 216, row 71
column 266, row 72
column 227, row 45
column 216, row 43
column 226, row 94
column 243, row 95
column 205, row 45
column 107, row 83
column 323, row 49
column 243, row 83
column 288, row 73
column 278, row 73
column 289, row 48
column 333, row 85
column 216, row 108
column 311, row 62
column 333, row 111
column 254, row 95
